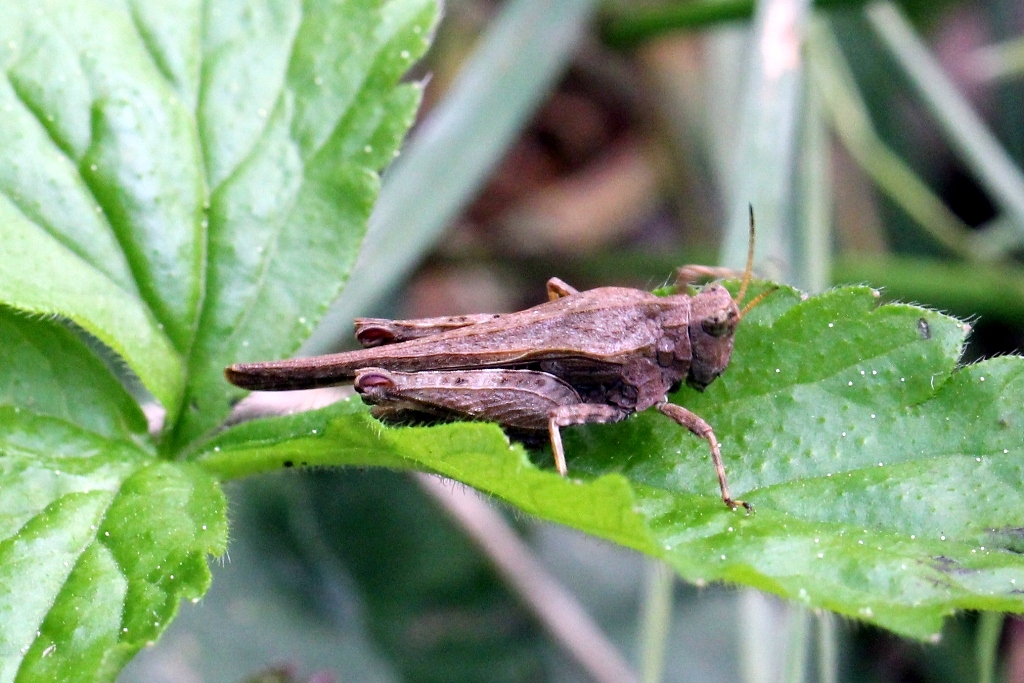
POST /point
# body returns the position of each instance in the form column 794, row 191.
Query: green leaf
column 189, row 182
column 886, row 481
column 99, row 198
column 99, row 541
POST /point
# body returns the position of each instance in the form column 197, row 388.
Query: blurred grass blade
column 850, row 119
column 813, row 216
column 762, row 637
column 768, row 137
column 556, row 608
column 1001, row 61
column 798, row 625
column 995, row 170
column 528, row 46
column 828, row 655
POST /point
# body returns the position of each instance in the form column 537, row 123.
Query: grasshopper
column 594, row 356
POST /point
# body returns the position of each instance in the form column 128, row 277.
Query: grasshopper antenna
column 749, row 270
column 750, row 258
column 757, row 299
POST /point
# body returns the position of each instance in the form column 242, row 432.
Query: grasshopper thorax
column 714, row 316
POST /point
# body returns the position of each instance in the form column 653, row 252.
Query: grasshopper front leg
column 698, row 426
column 525, row 400
column 688, row 275
column 557, row 289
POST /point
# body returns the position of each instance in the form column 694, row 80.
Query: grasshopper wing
column 607, row 326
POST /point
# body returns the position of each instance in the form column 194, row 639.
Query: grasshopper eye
column 720, row 323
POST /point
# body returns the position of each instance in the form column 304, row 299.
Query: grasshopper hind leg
column 522, row 401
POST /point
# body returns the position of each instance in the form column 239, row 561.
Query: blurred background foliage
column 607, row 143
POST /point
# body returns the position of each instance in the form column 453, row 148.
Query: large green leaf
column 298, row 111
column 99, row 540
column 886, row 481
column 187, row 184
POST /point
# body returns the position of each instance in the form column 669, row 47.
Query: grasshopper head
column 713, row 319
column 714, row 315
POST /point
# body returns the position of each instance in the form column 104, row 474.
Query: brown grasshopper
column 592, row 356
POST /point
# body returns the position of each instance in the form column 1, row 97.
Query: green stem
column 640, row 25
column 630, row 28
column 986, row 645
column 961, row 288
column 657, row 620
